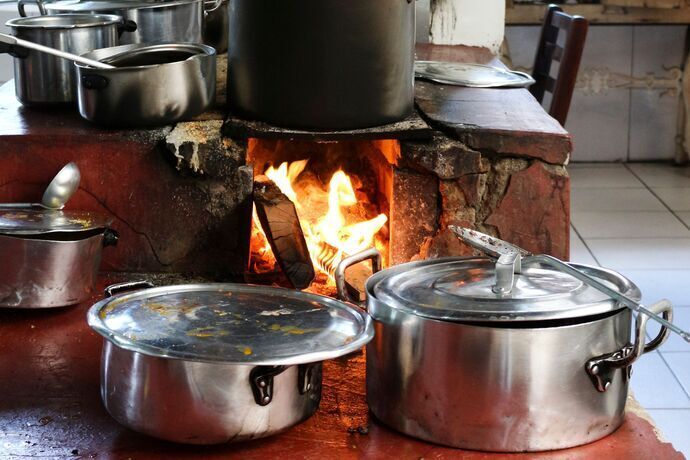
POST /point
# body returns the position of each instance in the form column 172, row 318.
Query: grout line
column 630, row 92
column 658, row 198
column 685, row 390
column 584, row 243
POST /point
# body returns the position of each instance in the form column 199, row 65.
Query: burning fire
column 332, row 224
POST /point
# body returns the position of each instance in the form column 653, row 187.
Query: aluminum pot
column 151, row 85
column 156, row 21
column 544, row 367
column 52, row 256
column 217, row 363
column 321, row 64
column 43, row 79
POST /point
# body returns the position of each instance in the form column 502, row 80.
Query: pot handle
column 126, row 286
column 21, row 4
column 369, row 254
column 212, row 5
column 602, row 368
column 110, row 237
column 127, row 25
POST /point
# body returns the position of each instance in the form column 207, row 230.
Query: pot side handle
column 369, row 254
column 127, row 286
column 602, row 368
column 21, row 7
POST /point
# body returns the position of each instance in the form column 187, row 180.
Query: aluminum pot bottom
column 496, row 389
column 200, row 403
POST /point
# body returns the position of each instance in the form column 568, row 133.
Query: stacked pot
column 164, row 41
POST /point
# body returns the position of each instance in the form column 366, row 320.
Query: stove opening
column 341, row 195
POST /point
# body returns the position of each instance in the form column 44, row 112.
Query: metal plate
column 460, row 289
column 232, row 324
column 471, row 75
column 40, row 221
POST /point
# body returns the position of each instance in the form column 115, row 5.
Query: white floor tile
column 676, row 198
column 642, row 253
column 654, row 385
column 675, row 343
column 655, row 285
column 680, row 365
column 662, row 175
column 675, row 426
column 613, row 177
column 684, row 216
column 578, row 251
column 628, row 224
column 614, row 199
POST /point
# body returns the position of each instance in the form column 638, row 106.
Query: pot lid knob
column 508, row 257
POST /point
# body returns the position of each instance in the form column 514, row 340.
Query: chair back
column 567, row 53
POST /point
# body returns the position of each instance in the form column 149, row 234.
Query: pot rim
column 204, row 51
column 34, row 22
column 77, row 6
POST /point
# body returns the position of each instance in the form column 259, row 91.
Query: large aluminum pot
column 40, row 78
column 544, row 367
column 217, row 363
column 156, row 21
column 321, row 64
column 150, row 85
column 51, row 257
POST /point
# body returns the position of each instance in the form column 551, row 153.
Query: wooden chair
column 567, row 55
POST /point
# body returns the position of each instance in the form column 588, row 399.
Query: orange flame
column 329, row 232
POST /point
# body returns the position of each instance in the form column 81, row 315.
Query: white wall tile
column 653, row 124
column 616, row 176
column 642, row 253
column 614, row 199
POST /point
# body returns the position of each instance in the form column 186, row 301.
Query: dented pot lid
column 33, row 221
column 460, row 289
column 232, row 324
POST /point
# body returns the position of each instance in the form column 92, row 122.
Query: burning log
column 279, row 220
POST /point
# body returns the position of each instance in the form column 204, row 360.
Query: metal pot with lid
column 473, row 355
column 52, row 257
column 155, row 20
column 216, row 363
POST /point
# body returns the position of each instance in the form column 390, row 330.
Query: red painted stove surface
column 50, row 407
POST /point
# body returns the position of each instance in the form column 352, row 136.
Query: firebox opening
column 342, row 195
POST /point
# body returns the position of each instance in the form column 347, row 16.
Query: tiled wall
column 609, row 120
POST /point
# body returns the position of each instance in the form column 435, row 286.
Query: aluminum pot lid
column 460, row 289
column 35, row 221
column 232, row 324
column 471, row 75
column 110, row 5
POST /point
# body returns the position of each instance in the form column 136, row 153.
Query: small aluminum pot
column 42, row 79
column 156, row 21
column 218, row 363
column 321, row 64
column 543, row 368
column 51, row 267
column 152, row 85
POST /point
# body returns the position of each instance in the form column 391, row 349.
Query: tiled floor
column 635, row 218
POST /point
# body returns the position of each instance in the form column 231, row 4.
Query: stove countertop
column 50, row 407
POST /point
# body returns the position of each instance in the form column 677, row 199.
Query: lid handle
column 509, row 257
column 498, row 248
